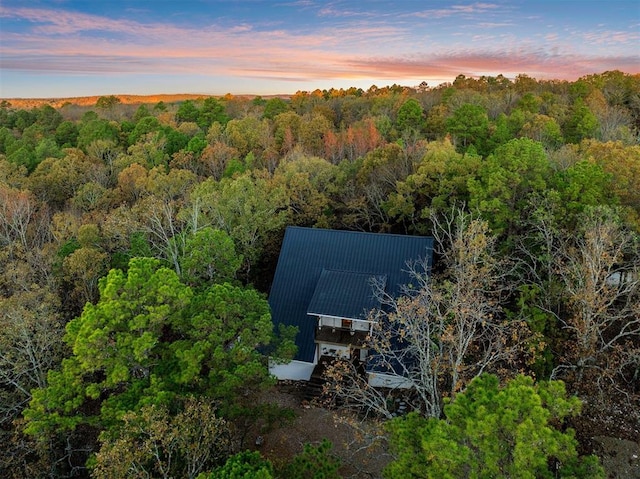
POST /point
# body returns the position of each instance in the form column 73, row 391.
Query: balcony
column 327, row 334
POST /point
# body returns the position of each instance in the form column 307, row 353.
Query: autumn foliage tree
column 153, row 442
column 599, row 273
column 445, row 330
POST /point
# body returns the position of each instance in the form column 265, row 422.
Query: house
column 325, row 284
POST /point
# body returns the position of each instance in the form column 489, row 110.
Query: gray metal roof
column 345, row 294
column 306, row 252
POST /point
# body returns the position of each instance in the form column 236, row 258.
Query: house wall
column 294, row 370
column 391, row 381
column 361, row 325
column 335, row 350
column 333, row 322
column 330, row 322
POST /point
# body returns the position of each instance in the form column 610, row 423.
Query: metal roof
column 345, row 294
column 306, row 252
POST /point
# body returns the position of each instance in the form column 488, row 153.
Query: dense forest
column 138, row 243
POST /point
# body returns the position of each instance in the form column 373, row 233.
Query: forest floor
column 362, row 449
column 612, row 435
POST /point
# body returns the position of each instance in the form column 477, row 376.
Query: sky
column 69, row 48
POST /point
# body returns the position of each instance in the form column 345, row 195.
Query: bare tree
column 599, row 270
column 158, row 218
column 17, row 209
column 30, row 345
column 444, row 330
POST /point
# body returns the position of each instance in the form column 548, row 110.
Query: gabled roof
column 345, row 294
column 306, row 252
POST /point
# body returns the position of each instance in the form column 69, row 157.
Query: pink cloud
column 64, row 22
column 538, row 64
column 332, row 11
column 453, row 10
column 612, row 38
column 71, row 34
column 64, row 42
column 494, row 24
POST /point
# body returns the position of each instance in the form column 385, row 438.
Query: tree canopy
column 493, row 431
column 150, row 339
column 138, row 243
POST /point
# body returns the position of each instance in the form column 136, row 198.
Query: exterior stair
column 315, row 385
